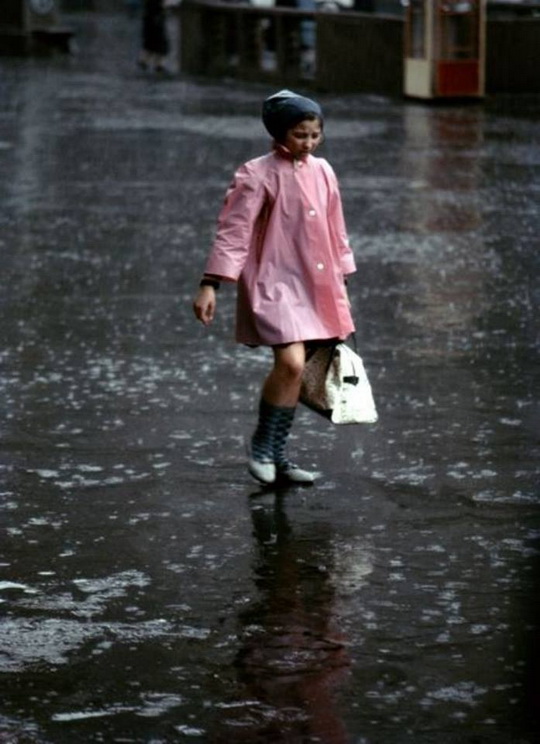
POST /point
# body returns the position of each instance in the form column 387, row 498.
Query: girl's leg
column 282, row 386
column 277, row 407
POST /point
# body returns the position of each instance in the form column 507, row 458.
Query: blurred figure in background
column 155, row 42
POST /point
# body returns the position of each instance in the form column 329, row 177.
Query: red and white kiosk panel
column 445, row 48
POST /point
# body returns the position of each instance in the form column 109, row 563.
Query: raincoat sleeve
column 336, row 221
column 237, row 223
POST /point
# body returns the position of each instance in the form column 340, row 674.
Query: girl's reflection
column 292, row 656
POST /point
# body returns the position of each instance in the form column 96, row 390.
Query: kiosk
column 445, row 48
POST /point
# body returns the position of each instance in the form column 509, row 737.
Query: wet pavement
column 149, row 590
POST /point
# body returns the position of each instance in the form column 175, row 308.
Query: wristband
column 210, row 283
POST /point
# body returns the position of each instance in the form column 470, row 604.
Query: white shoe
column 263, row 471
column 294, row 474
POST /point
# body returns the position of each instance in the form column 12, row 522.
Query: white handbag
column 335, row 384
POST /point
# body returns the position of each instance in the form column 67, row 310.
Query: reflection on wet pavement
column 150, row 592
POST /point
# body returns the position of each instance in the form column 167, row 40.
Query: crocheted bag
column 335, row 384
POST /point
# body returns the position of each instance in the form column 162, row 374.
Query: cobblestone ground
column 150, row 591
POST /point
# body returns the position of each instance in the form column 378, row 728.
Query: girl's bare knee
column 289, row 365
column 292, row 371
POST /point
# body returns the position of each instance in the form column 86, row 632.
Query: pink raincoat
column 281, row 235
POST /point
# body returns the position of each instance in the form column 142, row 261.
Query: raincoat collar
column 285, row 153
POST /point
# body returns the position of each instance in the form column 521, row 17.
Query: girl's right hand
column 204, row 305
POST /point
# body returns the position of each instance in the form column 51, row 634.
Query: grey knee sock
column 268, row 442
column 284, row 422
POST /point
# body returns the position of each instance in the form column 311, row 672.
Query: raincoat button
column 312, row 213
column 320, row 266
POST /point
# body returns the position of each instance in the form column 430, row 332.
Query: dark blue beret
column 281, row 111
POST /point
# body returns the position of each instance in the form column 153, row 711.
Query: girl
column 281, row 235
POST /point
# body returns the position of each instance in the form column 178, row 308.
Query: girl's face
column 303, row 138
